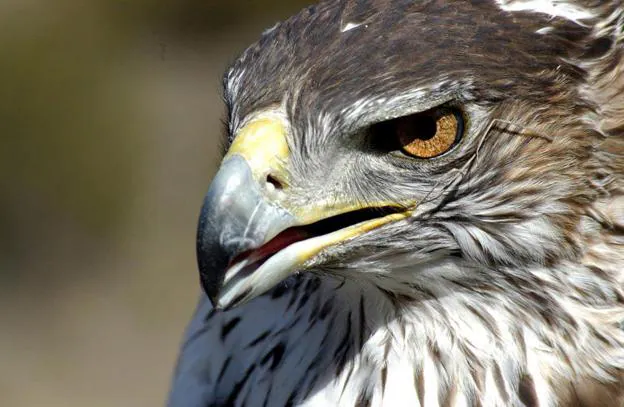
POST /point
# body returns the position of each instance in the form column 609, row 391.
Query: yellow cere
column 262, row 142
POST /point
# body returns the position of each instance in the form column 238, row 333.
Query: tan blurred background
column 109, row 119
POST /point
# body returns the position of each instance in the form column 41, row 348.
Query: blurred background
column 109, row 122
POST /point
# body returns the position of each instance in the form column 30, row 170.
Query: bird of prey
column 421, row 203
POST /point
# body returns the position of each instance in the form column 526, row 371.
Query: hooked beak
column 235, row 219
column 248, row 240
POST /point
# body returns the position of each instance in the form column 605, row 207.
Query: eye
column 423, row 135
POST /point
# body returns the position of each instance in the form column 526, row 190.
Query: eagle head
column 431, row 194
column 410, row 143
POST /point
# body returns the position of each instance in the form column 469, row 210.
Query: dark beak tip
column 211, row 263
column 214, row 302
column 212, row 292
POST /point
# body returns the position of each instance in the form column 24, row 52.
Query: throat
column 441, row 350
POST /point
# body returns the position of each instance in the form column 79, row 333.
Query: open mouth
column 246, row 263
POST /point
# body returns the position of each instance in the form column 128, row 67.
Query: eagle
column 420, row 203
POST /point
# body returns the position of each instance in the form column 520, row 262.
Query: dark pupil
column 420, row 127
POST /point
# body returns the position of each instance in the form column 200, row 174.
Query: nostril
column 274, row 183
